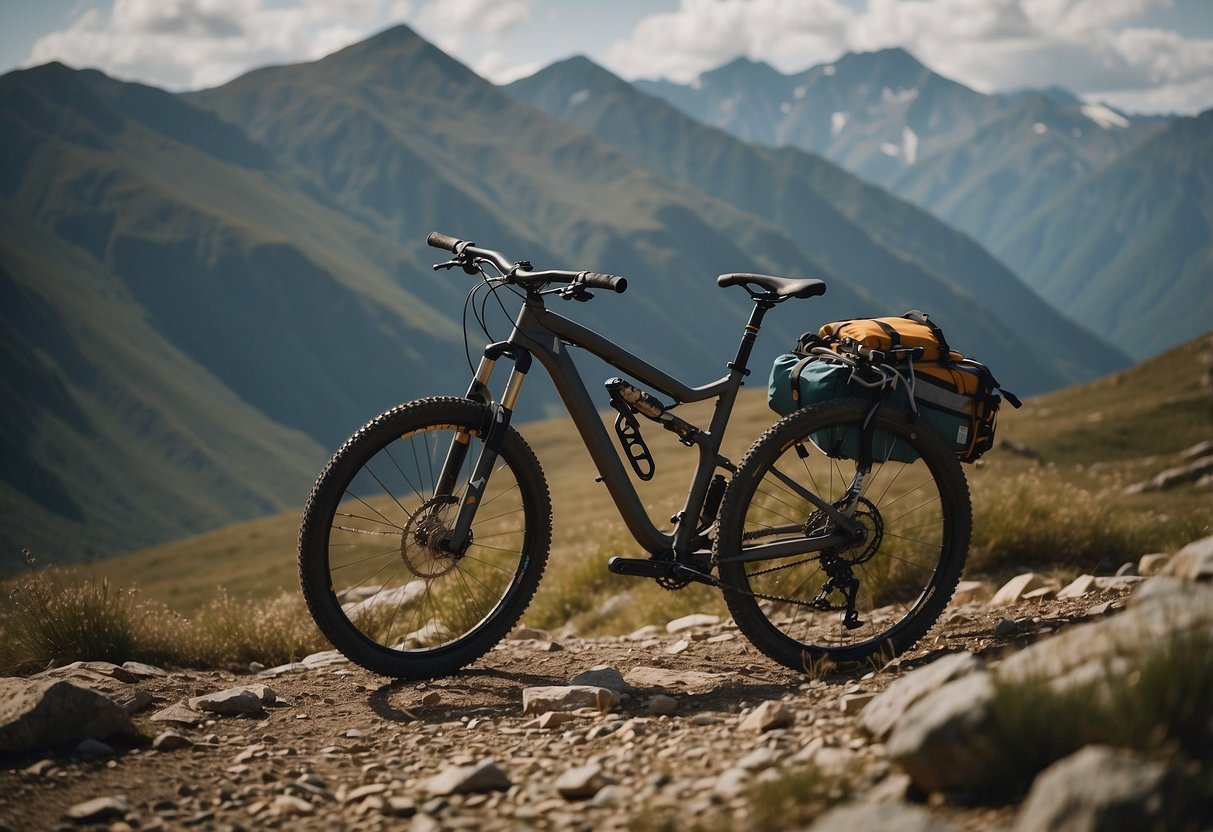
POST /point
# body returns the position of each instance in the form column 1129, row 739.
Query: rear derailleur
column 843, row 580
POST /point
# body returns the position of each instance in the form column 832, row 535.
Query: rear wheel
column 880, row 592
column 375, row 572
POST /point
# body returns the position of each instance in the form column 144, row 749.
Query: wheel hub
column 866, row 541
column 422, row 544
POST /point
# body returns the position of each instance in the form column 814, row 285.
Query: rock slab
column 56, row 712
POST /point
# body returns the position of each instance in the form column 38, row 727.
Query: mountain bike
column 425, row 537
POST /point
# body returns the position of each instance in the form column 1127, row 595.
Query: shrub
column 49, row 621
column 1038, row 519
column 1156, row 703
column 794, row 798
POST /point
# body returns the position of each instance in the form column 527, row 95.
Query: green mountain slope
column 1015, row 163
column 1130, row 247
column 189, row 330
column 110, row 437
column 280, row 296
column 444, row 149
column 290, row 303
column 900, row 254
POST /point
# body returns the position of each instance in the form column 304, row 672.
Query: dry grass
column 1036, row 519
column 1157, row 703
column 47, row 619
column 1067, row 514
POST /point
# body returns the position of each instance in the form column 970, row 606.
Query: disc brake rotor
column 421, row 547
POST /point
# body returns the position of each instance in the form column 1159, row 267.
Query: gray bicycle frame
column 541, row 333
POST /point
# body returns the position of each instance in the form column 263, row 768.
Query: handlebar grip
column 610, row 282
column 442, row 241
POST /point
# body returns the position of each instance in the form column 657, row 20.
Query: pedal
column 649, row 568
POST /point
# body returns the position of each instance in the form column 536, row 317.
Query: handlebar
column 442, row 241
column 610, row 282
column 468, row 252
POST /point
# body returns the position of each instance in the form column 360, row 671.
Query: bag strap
column 894, row 335
column 794, row 377
column 806, row 342
column 922, row 318
column 989, row 381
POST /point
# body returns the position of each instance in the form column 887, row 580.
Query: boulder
column 1014, row 589
column 880, row 817
column 47, row 713
column 944, row 739
column 99, row 810
column 884, row 711
column 601, row 676
column 1101, row 789
column 582, row 782
column 768, row 716
column 248, row 699
column 484, row 776
column 1193, row 562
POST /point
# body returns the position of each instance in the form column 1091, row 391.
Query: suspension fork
column 499, row 424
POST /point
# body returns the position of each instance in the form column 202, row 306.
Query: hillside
column 1099, row 436
column 249, row 262
column 448, row 150
column 984, row 164
column 900, row 254
column 1025, row 154
column 1129, row 247
column 196, row 329
column 258, row 304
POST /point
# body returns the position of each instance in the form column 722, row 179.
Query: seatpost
column 742, row 359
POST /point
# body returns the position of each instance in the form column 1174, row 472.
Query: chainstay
column 763, row 596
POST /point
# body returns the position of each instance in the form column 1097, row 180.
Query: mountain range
column 204, row 293
column 1004, row 168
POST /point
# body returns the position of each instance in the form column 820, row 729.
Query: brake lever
column 459, row 262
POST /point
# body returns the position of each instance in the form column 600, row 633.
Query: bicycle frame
column 541, row 333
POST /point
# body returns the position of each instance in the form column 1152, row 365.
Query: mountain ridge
column 242, row 277
column 846, row 222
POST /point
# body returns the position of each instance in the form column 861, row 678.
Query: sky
column 1143, row 56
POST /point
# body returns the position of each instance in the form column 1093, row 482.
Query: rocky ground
column 668, row 726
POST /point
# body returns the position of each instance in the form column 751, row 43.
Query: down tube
column 585, row 416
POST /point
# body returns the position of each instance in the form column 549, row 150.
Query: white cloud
column 702, row 34
column 186, row 44
column 1089, row 46
column 490, row 18
column 471, row 30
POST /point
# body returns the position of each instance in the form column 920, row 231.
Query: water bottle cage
column 628, row 429
column 634, row 447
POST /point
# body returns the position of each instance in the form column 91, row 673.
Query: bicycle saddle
column 776, row 288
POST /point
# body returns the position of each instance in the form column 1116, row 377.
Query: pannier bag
column 905, row 362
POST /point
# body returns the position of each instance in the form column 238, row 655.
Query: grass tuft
column 48, row 621
column 1157, row 704
column 53, row 622
column 794, row 798
column 1037, row 519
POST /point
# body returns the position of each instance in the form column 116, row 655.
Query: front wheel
column 880, row 591
column 376, row 572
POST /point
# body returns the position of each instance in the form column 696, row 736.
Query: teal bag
column 800, row 381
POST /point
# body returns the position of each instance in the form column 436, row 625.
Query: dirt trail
column 344, row 748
